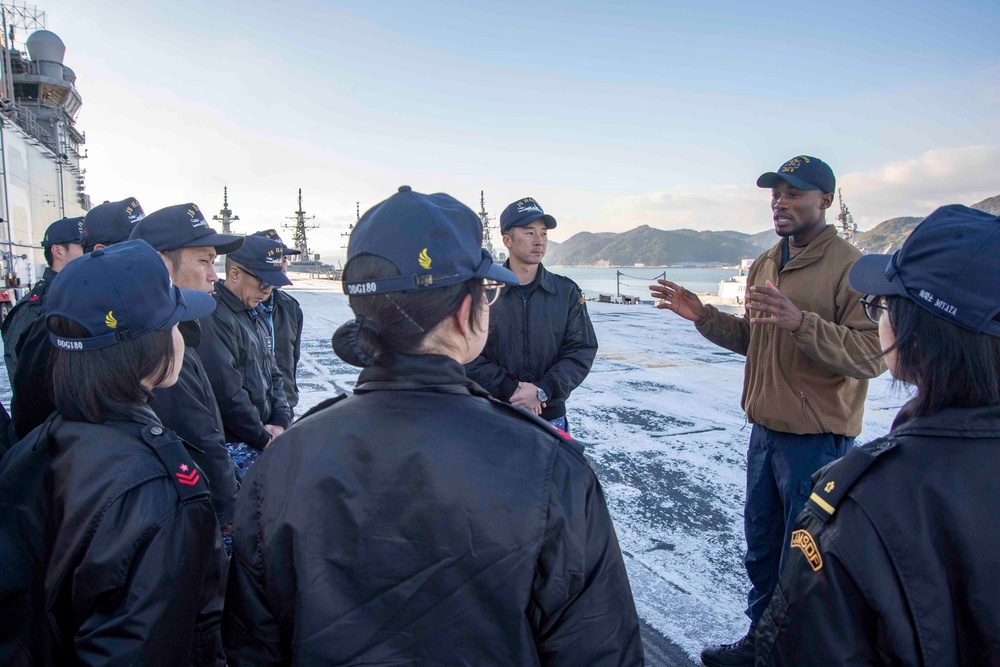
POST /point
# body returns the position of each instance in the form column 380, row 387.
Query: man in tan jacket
column 810, row 351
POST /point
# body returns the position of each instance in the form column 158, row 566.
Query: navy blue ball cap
column 949, row 265
column 433, row 240
column 524, row 212
column 66, row 230
column 111, row 222
column 182, row 226
column 803, row 172
column 120, row 293
column 262, row 257
column 273, row 235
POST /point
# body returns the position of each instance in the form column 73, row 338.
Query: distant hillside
column 653, row 247
column 991, row 205
column 888, row 236
column 764, row 240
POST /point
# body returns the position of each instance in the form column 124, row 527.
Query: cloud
column 906, row 187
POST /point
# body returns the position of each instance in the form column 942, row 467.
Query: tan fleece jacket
column 813, row 380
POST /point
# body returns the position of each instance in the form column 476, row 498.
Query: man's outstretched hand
column 682, row 301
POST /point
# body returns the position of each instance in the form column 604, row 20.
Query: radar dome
column 44, row 45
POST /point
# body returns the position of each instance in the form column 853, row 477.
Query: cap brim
column 867, row 276
column 288, row 252
column 197, row 304
column 273, row 278
column 501, row 274
column 771, row 179
column 223, row 243
column 550, row 222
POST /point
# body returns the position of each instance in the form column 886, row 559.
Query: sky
column 610, row 114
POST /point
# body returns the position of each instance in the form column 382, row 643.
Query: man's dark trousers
column 779, row 471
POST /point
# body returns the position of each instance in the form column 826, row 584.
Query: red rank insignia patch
column 34, row 297
column 185, row 477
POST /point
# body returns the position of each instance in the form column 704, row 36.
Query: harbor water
column 635, row 281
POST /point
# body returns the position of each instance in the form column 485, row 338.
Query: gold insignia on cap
column 110, row 320
column 801, row 539
column 424, row 259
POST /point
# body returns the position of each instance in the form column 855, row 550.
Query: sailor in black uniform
column 110, row 547
column 421, row 521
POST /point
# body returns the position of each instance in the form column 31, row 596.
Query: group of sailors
column 160, row 506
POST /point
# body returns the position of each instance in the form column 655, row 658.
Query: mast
column 484, row 217
column 350, row 227
column 847, row 225
column 299, row 229
column 225, row 215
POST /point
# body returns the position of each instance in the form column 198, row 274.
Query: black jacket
column 189, row 409
column 895, row 557
column 421, row 522
column 110, row 548
column 236, row 351
column 31, row 403
column 284, row 314
column 545, row 338
column 19, row 319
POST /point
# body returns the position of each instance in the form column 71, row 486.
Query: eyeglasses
column 492, row 290
column 874, row 305
column 263, row 287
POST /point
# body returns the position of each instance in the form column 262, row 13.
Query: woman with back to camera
column 894, row 560
column 110, row 547
column 419, row 521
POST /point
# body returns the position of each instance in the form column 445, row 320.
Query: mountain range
column 660, row 247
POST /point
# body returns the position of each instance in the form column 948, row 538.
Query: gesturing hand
column 776, row 308
column 674, row 297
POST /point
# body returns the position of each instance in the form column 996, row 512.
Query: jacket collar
column 429, row 372
column 139, row 413
column 981, row 422
column 544, row 279
column 228, row 298
column 48, row 275
column 812, row 252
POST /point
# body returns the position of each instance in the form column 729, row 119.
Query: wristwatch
column 542, row 396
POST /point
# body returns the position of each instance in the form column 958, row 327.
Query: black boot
column 737, row 654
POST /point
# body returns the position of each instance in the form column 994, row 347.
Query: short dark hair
column 85, row 383
column 951, row 366
column 405, row 318
column 175, row 255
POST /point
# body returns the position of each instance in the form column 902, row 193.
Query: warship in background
column 40, row 146
column 307, row 262
column 498, row 255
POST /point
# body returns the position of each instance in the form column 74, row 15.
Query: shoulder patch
column 836, row 479
column 801, row 539
column 178, row 463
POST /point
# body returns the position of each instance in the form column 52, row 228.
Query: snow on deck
column 660, row 413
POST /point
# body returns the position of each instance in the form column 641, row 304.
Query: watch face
column 542, row 396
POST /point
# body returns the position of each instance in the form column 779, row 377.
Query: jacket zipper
column 807, row 409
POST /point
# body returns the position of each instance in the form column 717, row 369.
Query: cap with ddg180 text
column 111, row 222
column 433, row 240
column 182, row 226
column 66, row 230
column 262, row 256
column 273, row 235
column 803, row 172
column 120, row 293
column 949, row 265
column 524, row 212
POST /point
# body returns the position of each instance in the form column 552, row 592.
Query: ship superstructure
column 40, row 146
column 848, row 228
column 306, row 261
column 499, row 256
